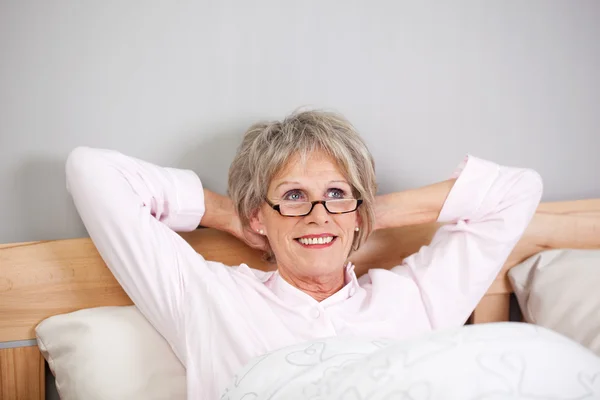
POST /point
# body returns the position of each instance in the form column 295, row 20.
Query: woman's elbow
column 80, row 166
column 533, row 184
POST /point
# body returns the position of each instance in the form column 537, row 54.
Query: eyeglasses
column 303, row 208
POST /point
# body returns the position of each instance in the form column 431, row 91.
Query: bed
column 46, row 278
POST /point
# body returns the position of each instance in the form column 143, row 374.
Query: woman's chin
column 314, row 263
column 323, row 267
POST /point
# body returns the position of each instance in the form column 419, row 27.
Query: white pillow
column 560, row 290
column 110, row 353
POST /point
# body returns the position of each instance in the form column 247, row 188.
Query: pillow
column 560, row 290
column 110, row 353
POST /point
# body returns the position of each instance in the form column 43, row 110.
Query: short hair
column 267, row 146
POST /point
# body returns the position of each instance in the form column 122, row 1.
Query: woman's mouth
column 316, row 242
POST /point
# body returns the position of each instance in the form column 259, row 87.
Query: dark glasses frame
column 277, row 208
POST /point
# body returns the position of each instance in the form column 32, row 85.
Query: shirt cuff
column 474, row 177
column 190, row 201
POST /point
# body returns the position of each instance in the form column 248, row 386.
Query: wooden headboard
column 46, row 278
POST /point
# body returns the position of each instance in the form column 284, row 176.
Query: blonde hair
column 267, row 146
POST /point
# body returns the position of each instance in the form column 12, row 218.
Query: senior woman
column 303, row 189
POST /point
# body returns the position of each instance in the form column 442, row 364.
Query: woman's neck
column 317, row 287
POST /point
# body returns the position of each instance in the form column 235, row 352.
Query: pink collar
column 292, row 296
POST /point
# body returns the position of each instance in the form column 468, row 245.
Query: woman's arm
column 220, row 213
column 560, row 225
column 411, row 207
column 483, row 211
column 131, row 210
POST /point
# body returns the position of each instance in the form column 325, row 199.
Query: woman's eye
column 293, row 195
column 336, row 193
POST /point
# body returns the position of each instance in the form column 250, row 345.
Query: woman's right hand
column 220, row 214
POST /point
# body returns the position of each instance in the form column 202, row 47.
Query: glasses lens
column 293, row 208
column 342, row 205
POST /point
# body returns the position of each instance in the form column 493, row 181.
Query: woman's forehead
column 316, row 166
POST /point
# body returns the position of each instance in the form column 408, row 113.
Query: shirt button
column 315, row 313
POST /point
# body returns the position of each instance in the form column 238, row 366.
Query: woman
column 302, row 189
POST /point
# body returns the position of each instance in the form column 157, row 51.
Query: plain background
column 177, row 83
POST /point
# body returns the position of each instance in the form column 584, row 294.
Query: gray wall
column 517, row 82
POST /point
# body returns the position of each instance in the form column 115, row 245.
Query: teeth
column 320, row 240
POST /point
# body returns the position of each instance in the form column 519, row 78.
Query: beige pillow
column 560, row 290
column 110, row 353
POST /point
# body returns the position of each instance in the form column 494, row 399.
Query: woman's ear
column 358, row 219
column 256, row 222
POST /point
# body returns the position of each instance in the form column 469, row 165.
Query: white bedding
column 488, row 361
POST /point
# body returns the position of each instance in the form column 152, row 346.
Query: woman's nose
column 319, row 214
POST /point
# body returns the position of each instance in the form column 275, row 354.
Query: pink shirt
column 216, row 317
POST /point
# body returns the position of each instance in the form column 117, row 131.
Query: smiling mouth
column 316, row 242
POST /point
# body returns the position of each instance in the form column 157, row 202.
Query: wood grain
column 22, row 374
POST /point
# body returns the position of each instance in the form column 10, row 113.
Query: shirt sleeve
column 484, row 216
column 131, row 210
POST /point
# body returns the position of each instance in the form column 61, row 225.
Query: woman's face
column 293, row 239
